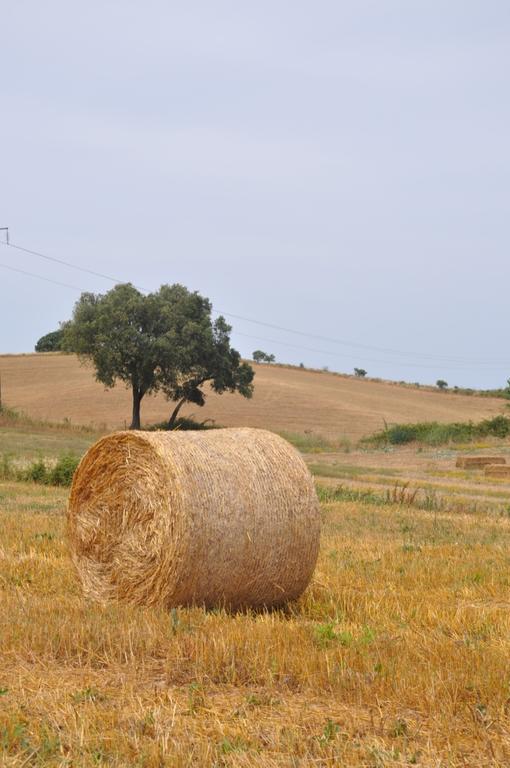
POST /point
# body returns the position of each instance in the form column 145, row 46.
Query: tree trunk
column 137, row 399
column 175, row 413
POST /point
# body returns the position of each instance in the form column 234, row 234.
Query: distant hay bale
column 474, row 462
column 221, row 517
column 497, row 470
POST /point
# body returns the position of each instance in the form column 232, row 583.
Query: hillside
column 55, row 387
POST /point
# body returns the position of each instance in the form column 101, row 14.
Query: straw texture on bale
column 472, row 462
column 497, row 470
column 220, row 517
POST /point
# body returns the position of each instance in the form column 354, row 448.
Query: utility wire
column 328, row 339
column 40, row 277
column 318, row 337
column 61, row 261
column 502, row 366
column 339, row 356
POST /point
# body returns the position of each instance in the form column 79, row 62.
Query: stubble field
column 56, row 387
column 396, row 655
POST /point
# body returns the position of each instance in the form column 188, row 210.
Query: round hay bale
column 222, row 517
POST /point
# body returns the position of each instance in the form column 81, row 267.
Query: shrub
column 63, row 471
column 434, row 433
column 183, row 423
column 37, row 472
column 6, row 470
column 60, row 474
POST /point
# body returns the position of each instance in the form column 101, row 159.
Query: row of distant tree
column 262, row 357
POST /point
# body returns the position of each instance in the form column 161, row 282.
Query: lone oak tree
column 165, row 341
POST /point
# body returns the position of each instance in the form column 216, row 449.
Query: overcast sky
column 340, row 168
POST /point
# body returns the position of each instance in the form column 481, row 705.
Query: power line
column 64, row 263
column 366, row 359
column 441, row 359
column 341, row 356
column 40, row 277
column 328, row 339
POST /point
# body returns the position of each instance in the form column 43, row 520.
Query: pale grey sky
column 339, row 168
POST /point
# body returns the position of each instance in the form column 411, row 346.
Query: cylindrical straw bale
column 497, row 470
column 477, row 462
column 219, row 517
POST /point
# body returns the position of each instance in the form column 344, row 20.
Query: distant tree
column 441, row 383
column 51, row 342
column 301, row 365
column 165, row 341
column 262, row 357
column 360, row 372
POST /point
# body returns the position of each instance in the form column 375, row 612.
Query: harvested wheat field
column 396, row 654
column 56, row 387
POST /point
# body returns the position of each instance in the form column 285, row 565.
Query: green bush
column 183, row 423
column 37, row 472
column 434, row 433
column 60, row 474
column 499, row 426
column 6, row 470
column 63, row 471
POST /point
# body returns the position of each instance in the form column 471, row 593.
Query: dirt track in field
column 55, row 387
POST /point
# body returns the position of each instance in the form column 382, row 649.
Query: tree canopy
column 262, row 357
column 51, row 342
column 164, row 341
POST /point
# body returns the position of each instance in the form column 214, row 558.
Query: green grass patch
column 348, row 470
column 28, row 444
column 434, row 433
column 9, row 417
column 311, row 442
column 40, row 471
column 342, row 493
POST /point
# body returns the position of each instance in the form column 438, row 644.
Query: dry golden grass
column 54, row 387
column 432, row 471
column 396, row 655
